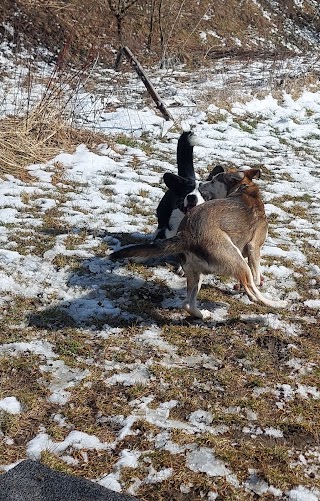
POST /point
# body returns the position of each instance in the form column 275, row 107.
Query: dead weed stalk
column 47, row 124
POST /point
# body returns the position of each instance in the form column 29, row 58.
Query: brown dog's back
column 240, row 216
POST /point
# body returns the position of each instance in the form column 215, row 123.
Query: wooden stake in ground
column 152, row 91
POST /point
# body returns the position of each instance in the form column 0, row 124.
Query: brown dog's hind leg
column 253, row 251
column 194, row 280
column 246, row 280
column 242, row 272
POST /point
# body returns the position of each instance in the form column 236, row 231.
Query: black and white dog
column 185, row 192
column 170, row 210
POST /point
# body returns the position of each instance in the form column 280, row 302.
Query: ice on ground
column 111, row 481
column 301, row 493
column 76, row 440
column 203, row 460
column 312, row 303
column 259, row 486
column 139, row 375
column 200, row 417
column 155, row 477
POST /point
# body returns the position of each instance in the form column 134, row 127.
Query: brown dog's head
column 224, row 183
column 249, row 191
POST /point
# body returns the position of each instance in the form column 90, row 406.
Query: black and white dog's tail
column 186, row 143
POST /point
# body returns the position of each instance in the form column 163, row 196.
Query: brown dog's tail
column 160, row 248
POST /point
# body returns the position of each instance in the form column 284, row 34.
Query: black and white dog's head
column 190, row 192
column 219, row 185
column 181, row 188
column 182, row 196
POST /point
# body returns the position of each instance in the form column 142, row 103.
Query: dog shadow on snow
column 106, row 293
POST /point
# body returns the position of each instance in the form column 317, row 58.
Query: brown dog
column 215, row 238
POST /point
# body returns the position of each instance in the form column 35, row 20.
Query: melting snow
column 10, row 405
column 109, row 179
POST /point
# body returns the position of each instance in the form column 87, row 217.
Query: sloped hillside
column 162, row 30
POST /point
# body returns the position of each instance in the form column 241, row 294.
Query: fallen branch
column 152, row 91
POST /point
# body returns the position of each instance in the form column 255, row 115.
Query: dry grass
column 40, row 121
column 20, row 146
column 36, row 138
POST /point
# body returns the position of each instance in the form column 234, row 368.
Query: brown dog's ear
column 232, row 178
column 251, row 173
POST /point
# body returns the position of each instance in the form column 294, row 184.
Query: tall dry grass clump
column 29, row 140
column 42, row 122
column 37, row 138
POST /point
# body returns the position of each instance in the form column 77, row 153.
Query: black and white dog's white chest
column 190, row 200
column 174, row 222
